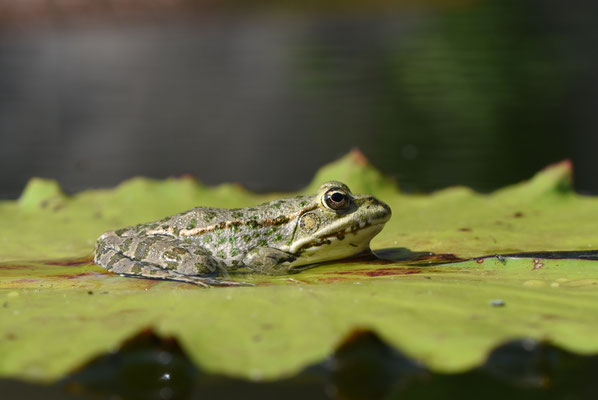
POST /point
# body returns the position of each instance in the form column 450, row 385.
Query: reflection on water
column 482, row 95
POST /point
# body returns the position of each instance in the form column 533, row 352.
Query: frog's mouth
column 339, row 244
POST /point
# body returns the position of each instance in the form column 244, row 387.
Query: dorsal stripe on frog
column 283, row 219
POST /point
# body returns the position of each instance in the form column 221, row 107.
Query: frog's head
column 338, row 224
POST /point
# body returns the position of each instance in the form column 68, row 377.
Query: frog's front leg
column 267, row 260
column 159, row 257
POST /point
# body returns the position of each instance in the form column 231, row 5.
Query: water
column 483, row 95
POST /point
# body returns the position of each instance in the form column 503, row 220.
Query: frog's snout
column 379, row 210
column 387, row 210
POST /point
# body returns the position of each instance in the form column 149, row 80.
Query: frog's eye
column 336, row 199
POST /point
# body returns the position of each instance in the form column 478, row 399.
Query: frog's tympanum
column 203, row 244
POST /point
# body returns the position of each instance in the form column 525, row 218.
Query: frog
column 204, row 244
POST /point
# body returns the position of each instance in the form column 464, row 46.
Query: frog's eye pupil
column 336, row 200
column 337, row 197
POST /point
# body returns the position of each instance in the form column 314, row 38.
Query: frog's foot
column 267, row 260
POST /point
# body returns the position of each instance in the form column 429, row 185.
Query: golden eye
column 336, row 199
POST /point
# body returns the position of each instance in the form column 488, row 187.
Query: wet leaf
column 427, row 295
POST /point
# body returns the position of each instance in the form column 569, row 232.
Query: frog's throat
column 362, row 232
column 336, row 247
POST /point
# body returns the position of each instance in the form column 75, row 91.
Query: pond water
column 481, row 94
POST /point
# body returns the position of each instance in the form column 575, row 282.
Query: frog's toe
column 198, row 282
column 233, row 283
column 203, row 281
column 218, row 282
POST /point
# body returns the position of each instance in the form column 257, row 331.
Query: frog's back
column 202, row 218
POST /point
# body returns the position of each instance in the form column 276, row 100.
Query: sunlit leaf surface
column 59, row 309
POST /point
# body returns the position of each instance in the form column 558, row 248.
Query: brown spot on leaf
column 71, row 262
column 332, row 279
column 14, row 266
column 464, row 229
column 518, row 214
column 537, row 264
column 358, row 157
column 381, row 271
column 79, row 275
column 150, row 283
column 186, row 176
column 393, row 271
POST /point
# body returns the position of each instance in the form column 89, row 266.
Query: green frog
column 203, row 244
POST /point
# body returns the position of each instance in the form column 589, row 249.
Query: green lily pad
column 59, row 309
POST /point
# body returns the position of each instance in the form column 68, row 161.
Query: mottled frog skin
column 203, row 244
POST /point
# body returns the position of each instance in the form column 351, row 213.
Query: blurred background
column 435, row 93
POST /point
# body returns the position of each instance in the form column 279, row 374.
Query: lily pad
column 59, row 309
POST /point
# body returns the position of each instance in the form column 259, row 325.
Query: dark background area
column 480, row 93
